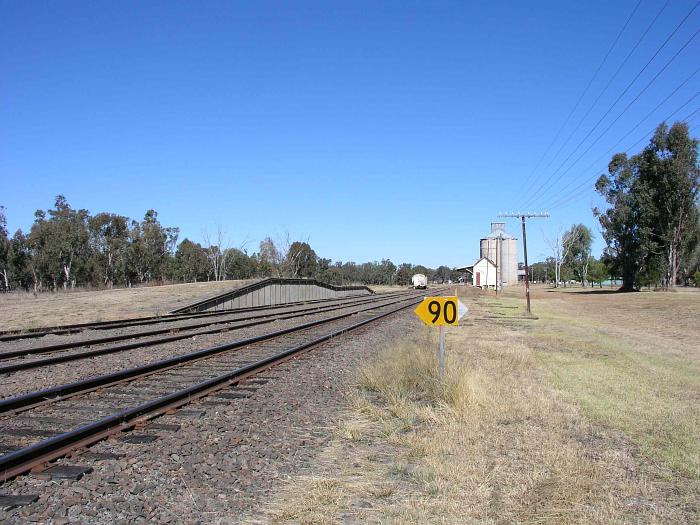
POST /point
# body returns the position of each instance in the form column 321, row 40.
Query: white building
column 498, row 265
column 484, row 273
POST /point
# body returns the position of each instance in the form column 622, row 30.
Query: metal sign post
column 441, row 311
column 441, row 353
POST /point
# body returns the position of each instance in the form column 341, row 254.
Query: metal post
column 441, row 353
column 496, row 257
column 527, row 269
column 500, row 255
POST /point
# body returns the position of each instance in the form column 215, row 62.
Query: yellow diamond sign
column 441, row 310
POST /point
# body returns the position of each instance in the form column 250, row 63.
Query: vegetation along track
column 15, row 360
column 43, row 425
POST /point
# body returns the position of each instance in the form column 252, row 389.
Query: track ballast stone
column 227, row 457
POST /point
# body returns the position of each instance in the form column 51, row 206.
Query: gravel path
column 227, row 458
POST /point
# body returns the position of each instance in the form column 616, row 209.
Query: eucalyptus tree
column 301, row 260
column 387, row 271
column 597, row 271
column 333, row 273
column 561, row 244
column 239, row 265
column 216, row 253
column 22, row 263
column 650, row 220
column 690, row 264
column 109, row 242
column 443, row 274
column 150, row 246
column 624, row 222
column 191, row 263
column 578, row 240
column 270, row 259
column 324, row 264
column 404, row 273
column 668, row 173
column 60, row 244
column 5, row 252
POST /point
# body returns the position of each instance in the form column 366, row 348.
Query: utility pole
column 527, row 268
column 496, row 252
column 522, row 217
column 499, row 247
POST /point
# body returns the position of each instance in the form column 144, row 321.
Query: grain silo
column 501, row 248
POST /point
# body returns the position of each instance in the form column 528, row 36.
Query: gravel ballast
column 24, row 381
column 227, row 456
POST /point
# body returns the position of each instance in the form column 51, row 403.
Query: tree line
column 571, row 260
column 652, row 222
column 68, row 248
column 651, row 225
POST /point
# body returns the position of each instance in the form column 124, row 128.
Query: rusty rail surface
column 177, row 333
column 38, row 454
column 30, row 333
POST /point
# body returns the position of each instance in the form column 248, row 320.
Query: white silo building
column 501, row 248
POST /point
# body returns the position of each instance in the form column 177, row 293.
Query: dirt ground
column 26, row 310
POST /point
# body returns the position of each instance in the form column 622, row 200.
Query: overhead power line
column 605, row 88
column 638, row 124
column 585, row 185
column 585, row 91
column 600, row 136
column 627, row 88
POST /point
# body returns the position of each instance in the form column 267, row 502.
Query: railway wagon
column 419, row 281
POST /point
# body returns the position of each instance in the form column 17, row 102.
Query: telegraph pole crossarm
column 522, row 217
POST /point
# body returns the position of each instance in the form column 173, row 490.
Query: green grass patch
column 653, row 399
column 505, row 306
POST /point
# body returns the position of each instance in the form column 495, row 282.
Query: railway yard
column 330, row 410
column 96, row 414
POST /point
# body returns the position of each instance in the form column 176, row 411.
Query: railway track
column 41, row 426
column 67, row 329
column 16, row 360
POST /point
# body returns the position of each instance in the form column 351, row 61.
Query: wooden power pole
column 522, row 217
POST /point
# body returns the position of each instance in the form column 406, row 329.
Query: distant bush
column 696, row 278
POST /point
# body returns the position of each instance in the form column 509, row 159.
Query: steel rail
column 38, row 363
column 25, row 459
column 31, row 333
column 49, row 395
column 45, row 349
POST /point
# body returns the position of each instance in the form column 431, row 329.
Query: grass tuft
column 406, row 376
column 560, row 421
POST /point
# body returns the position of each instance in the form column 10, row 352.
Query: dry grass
column 26, row 310
column 630, row 362
column 509, row 438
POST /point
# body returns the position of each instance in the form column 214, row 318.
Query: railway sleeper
column 39, row 454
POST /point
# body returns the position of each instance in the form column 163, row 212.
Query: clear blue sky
column 374, row 129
